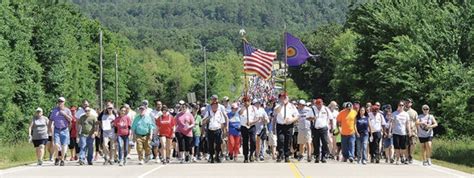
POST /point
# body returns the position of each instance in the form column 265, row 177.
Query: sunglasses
column 426, row 109
column 401, row 105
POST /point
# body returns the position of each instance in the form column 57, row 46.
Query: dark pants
column 248, row 134
column 374, row 146
column 283, row 144
column 320, row 136
column 215, row 140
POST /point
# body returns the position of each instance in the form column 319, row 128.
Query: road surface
column 202, row 169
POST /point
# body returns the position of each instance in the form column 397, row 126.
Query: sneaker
column 105, row 162
column 323, row 161
column 316, row 160
column 218, row 160
column 231, row 157
column 429, row 162
column 351, row 160
column 89, row 163
column 40, row 163
column 287, row 160
column 81, row 162
column 56, row 162
column 141, row 162
column 425, row 163
column 392, row 161
column 262, row 158
column 157, row 160
column 146, row 160
column 124, row 162
column 247, row 161
column 377, row 161
column 364, row 162
column 235, row 158
column 397, row 163
column 193, row 160
column 120, row 164
column 300, row 158
column 62, row 163
column 110, row 162
column 359, row 162
column 278, row 160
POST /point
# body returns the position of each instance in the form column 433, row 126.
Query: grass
column 456, row 154
column 12, row 155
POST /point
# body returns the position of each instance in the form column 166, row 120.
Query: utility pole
column 116, row 77
column 101, row 71
column 205, row 74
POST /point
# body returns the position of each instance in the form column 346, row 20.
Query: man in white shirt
column 320, row 130
column 248, row 119
column 260, row 129
column 286, row 114
column 304, row 130
column 376, row 123
column 216, row 123
column 155, row 143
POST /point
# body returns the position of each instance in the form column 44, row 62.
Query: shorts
column 272, row 139
column 184, row 142
column 387, row 142
column 399, row 142
column 196, row 141
column 72, row 143
column 155, row 141
column 304, row 137
column 37, row 143
column 338, row 144
column 61, row 137
column 425, row 139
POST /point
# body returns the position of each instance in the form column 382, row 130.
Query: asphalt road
column 202, row 169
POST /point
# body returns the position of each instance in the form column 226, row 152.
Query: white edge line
column 9, row 171
column 440, row 169
column 150, row 171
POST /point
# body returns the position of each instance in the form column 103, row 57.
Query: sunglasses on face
column 426, row 109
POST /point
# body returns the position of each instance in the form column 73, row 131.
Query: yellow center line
column 295, row 170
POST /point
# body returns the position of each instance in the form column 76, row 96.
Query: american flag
column 258, row 62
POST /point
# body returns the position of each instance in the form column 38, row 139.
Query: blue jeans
column 348, row 142
column 122, row 145
column 362, row 147
column 61, row 137
column 86, row 144
column 196, row 142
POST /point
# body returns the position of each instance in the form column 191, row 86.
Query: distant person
column 333, row 106
column 234, row 132
column 142, row 128
column 122, row 125
column 286, row 114
column 400, row 131
column 166, row 126
column 319, row 131
column 426, row 122
column 362, row 135
column 260, row 129
column 412, row 139
column 38, row 134
column 87, row 127
column 346, row 123
column 304, row 130
column 184, row 131
column 215, row 119
column 376, row 124
column 108, row 134
column 196, row 111
column 60, row 119
column 73, row 145
column 155, row 141
column 387, row 134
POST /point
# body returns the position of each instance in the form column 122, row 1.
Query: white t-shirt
column 333, row 118
column 303, row 123
column 428, row 120
column 252, row 113
column 107, row 122
column 261, row 114
column 400, row 120
column 290, row 110
column 322, row 117
column 155, row 114
column 216, row 120
column 376, row 121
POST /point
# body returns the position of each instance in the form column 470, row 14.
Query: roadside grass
column 456, row 154
column 12, row 155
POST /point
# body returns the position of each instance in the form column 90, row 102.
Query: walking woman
column 234, row 132
column 425, row 123
column 184, row 131
column 166, row 127
column 122, row 124
column 38, row 133
column 362, row 133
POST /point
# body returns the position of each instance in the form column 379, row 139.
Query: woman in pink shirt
column 122, row 125
column 184, row 131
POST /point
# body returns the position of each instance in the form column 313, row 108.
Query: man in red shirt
column 73, row 146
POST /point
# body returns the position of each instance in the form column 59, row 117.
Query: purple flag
column 296, row 52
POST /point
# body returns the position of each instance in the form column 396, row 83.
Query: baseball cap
column 255, row 100
column 347, row 105
column 39, row 109
column 62, row 99
column 302, row 102
column 145, row 102
column 214, row 97
column 234, row 105
column 226, row 98
column 181, row 102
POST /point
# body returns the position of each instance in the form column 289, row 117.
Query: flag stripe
column 257, row 61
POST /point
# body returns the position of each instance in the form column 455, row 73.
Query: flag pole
column 286, row 59
column 242, row 33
